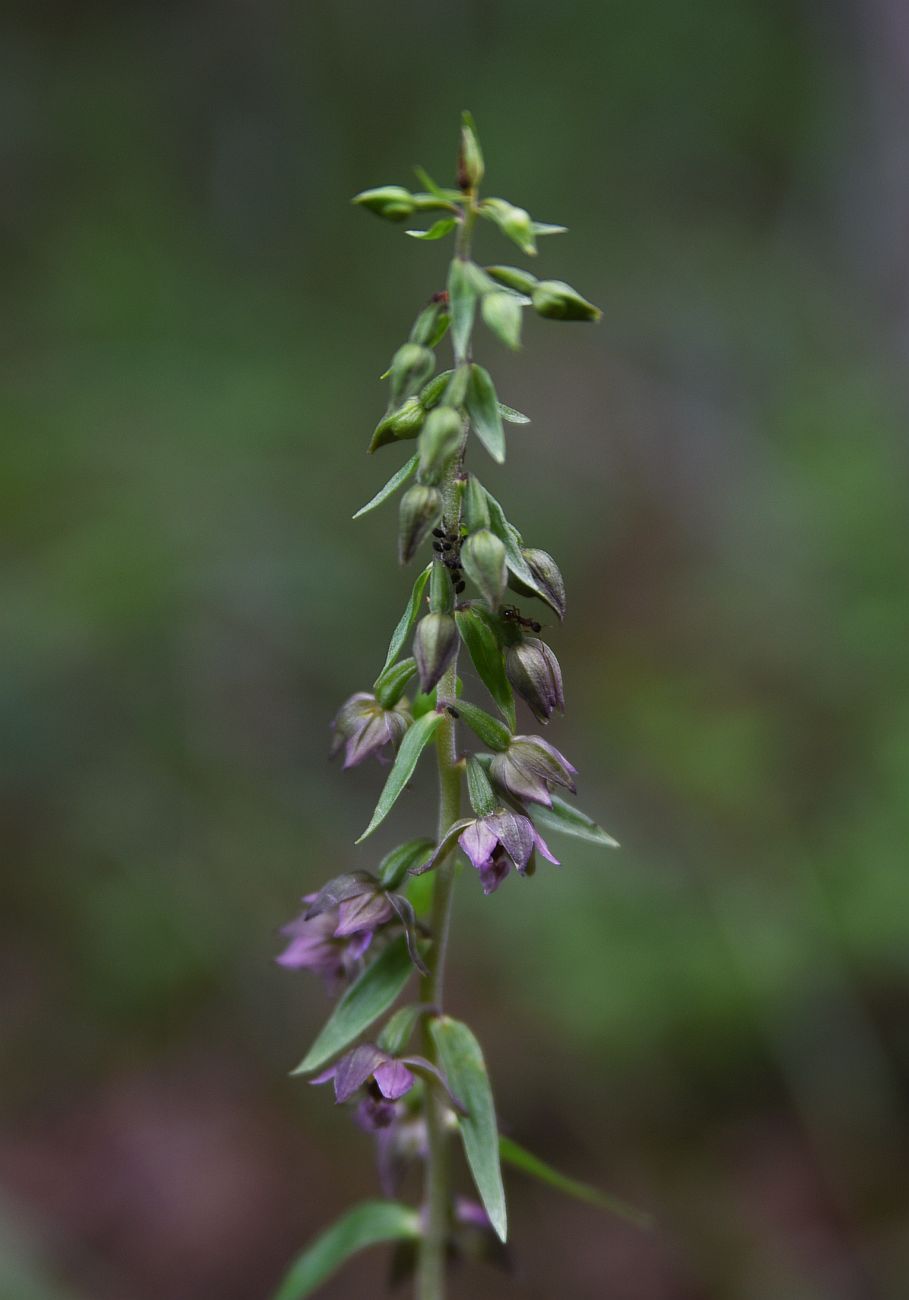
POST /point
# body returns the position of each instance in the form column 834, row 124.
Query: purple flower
column 494, row 842
column 336, row 929
column 362, row 728
column 529, row 767
column 386, row 1080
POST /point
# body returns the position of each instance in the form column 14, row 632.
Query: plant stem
column 433, row 1244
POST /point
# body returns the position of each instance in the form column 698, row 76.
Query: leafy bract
column 520, row 1158
column 438, row 230
column 365, row 1225
column 565, row 818
column 488, row 659
column 483, row 409
column 416, row 738
column 408, row 618
column 369, row 997
column 396, row 480
column 461, row 1057
column 462, row 303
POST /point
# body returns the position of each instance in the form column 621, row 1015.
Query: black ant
column 448, row 548
column 512, row 614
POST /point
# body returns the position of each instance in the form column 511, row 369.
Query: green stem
column 437, row 1188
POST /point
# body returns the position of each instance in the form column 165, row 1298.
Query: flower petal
column 393, row 1079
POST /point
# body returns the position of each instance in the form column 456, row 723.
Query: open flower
column 337, row 927
column 495, row 842
column 529, row 767
column 386, row 1079
column 363, row 727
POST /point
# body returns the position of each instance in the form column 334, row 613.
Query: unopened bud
column 430, row 326
column 550, row 585
column 404, row 422
column 483, row 560
column 440, row 440
column 513, row 278
column 534, row 672
column 470, row 156
column 411, row 366
column 435, row 644
column 558, row 301
column 514, row 222
column 421, row 510
column 392, row 202
column 431, row 395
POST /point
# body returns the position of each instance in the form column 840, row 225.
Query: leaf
column 507, row 413
column 438, row 230
column 408, row 618
column 365, row 1225
column 437, row 191
column 391, row 683
column 483, row 410
column 416, row 738
column 567, row 819
column 462, row 301
column 502, row 313
column 486, row 654
column 398, row 1028
column 369, row 997
column 396, row 864
column 517, row 1156
column 544, row 228
column 391, row 487
column 461, row 1057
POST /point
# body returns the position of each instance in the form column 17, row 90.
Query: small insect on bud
column 483, row 558
column 411, row 366
column 435, row 643
column 470, row 156
column 421, row 510
column 392, row 202
column 558, row 301
column 440, row 439
column 534, row 673
column 400, row 425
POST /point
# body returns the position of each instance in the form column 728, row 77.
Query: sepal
column 392, row 202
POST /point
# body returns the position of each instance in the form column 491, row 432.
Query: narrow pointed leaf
column 365, row 1225
column 507, row 413
column 369, row 997
column 408, row 618
column 396, row 864
column 483, row 409
column 544, row 228
column 488, row 659
column 391, row 487
column 567, row 819
column 416, row 738
column 438, row 230
column 398, row 1028
column 462, row 302
column 461, row 1058
column 437, row 191
column 520, row 1158
column 514, row 558
column 502, row 313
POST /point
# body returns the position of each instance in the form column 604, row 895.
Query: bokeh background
column 711, row 1023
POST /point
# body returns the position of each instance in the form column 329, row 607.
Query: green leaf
column 462, row 302
column 544, row 228
column 396, row 864
column 513, row 1154
column 391, row 683
column 568, row 820
column 437, row 191
column 416, row 738
column 514, row 557
column 483, row 409
column 461, row 1057
column 492, row 732
column 510, row 414
column 369, row 997
column 502, row 313
column 391, row 487
column 397, row 1030
column 438, row 230
column 408, row 618
column 486, row 653
column 365, row 1225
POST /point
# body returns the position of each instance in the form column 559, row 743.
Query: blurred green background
column 711, row 1023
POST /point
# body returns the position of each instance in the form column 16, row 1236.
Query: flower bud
column 483, row 560
column 550, row 585
column 392, row 202
column 363, row 728
column 431, row 395
column 435, row 644
column 430, row 326
column 558, row 301
column 513, row 278
column 534, row 672
column 470, row 156
column 421, row 510
column 399, row 425
column 528, row 769
column 440, row 440
column 411, row 366
column 514, row 222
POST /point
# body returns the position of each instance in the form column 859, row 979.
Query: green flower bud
column 550, row 585
column 435, row 644
column 558, row 301
column 470, row 156
column 392, row 202
column 483, row 560
column 399, row 425
column 421, row 510
column 411, row 366
column 431, row 394
column 513, row 278
column 440, row 441
column 535, row 675
column 514, row 222
column 430, row 326
column 476, row 505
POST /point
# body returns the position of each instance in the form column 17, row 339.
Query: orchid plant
column 361, row 932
